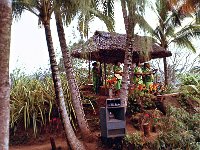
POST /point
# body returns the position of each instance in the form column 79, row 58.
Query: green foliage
column 180, row 130
column 190, row 87
column 134, row 139
column 32, row 98
column 140, row 99
column 171, row 28
column 177, row 130
column 190, row 79
column 132, row 106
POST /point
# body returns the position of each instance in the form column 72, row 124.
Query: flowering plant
column 111, row 82
column 147, row 118
column 157, row 88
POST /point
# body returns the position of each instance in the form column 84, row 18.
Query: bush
column 134, row 141
column 32, row 99
column 180, row 130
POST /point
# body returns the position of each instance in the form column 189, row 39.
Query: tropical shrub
column 134, row 140
column 190, row 87
column 32, row 98
column 139, row 100
column 180, row 130
column 177, row 130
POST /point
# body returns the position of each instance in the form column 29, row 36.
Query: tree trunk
column 73, row 87
column 128, row 56
column 165, row 71
column 5, row 30
column 71, row 137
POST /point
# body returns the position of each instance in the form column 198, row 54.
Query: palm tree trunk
column 165, row 71
column 164, row 45
column 73, row 87
column 71, row 137
column 5, row 30
column 128, row 57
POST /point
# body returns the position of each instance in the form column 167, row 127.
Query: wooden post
column 89, row 68
column 105, row 75
column 53, row 144
column 101, row 76
column 146, row 128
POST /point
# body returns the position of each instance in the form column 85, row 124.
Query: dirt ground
column 60, row 142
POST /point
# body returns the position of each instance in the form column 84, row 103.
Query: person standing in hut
column 148, row 77
column 96, row 77
column 118, row 74
column 137, row 78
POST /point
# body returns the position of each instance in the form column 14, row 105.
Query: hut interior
column 109, row 47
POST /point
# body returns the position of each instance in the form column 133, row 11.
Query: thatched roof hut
column 110, row 47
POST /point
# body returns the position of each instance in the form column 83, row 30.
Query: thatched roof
column 110, row 47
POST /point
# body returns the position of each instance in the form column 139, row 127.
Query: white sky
column 28, row 44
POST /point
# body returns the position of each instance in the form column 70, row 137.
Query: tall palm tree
column 5, row 30
column 170, row 29
column 89, row 9
column 75, row 94
column 132, row 14
column 43, row 9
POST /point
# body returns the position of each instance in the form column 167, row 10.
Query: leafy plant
column 190, row 87
column 134, row 139
column 178, row 130
column 31, row 101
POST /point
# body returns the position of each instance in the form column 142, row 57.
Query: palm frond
column 184, row 42
column 191, row 31
column 108, row 8
column 155, row 34
column 69, row 9
column 83, row 24
column 169, row 31
column 141, row 5
column 162, row 7
column 109, row 22
column 143, row 23
column 19, row 6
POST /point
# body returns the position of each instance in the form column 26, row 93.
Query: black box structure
column 112, row 119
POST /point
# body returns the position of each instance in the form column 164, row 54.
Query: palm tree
column 43, row 9
column 5, row 30
column 170, row 29
column 90, row 10
column 132, row 16
column 75, row 94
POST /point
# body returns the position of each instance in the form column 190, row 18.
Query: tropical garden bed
column 168, row 122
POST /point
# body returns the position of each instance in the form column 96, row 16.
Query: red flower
column 111, row 82
column 147, row 115
column 141, row 87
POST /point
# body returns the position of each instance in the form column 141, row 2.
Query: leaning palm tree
column 170, row 29
column 64, row 10
column 43, row 9
column 75, row 94
column 132, row 16
column 5, row 30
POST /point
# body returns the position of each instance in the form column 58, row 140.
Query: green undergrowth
column 177, row 130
